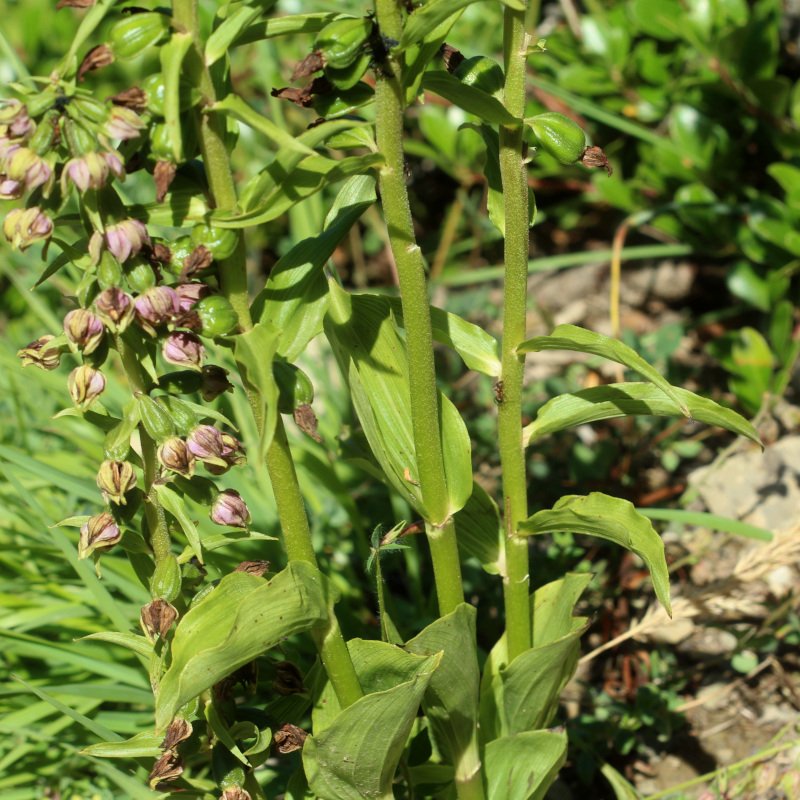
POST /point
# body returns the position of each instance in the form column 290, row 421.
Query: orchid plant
column 164, row 290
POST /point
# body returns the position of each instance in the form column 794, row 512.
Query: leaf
column 143, row 745
column 451, row 700
column 312, row 174
column 611, row 518
column 254, row 352
column 243, row 617
column 706, row 520
column 231, row 29
column 295, row 295
column 288, row 25
column 132, row 641
column 373, row 358
column 357, row 755
column 172, row 55
column 175, row 505
column 478, row 529
column 472, row 100
column 425, row 18
column 571, row 337
column 621, row 788
column 477, row 348
column 524, row 766
column 553, row 607
column 628, row 399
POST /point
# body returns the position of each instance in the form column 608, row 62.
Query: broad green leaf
column 254, row 352
column 627, row 399
column 472, row 100
column 233, row 28
column 479, row 531
column 357, row 755
column 175, row 505
column 311, row 174
column 524, row 766
column 243, row 617
column 373, row 357
column 143, row 745
column 426, row 17
column 451, row 700
column 571, row 337
column 172, row 54
column 550, row 663
column 478, row 348
column 295, row 295
column 621, row 788
column 611, row 518
column 132, row 641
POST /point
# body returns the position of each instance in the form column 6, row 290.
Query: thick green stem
column 154, row 514
column 233, row 279
column 424, row 399
column 516, row 578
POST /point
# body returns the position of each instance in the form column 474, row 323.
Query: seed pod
column 155, row 418
column 559, row 136
column 166, row 581
column 220, row 242
column 294, row 387
column 344, row 78
column 109, row 271
column 132, row 35
column 140, row 276
column 217, row 316
column 341, row 41
column 482, row 73
column 182, row 414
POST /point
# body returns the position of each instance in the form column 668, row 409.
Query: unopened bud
column 91, row 170
column 115, row 308
column 215, row 382
column 230, row 510
column 85, row 385
column 98, row 532
column 14, row 120
column 22, row 171
column 123, row 123
column 84, row 329
column 25, row 226
column 126, row 238
column 41, row 353
column 232, row 455
column 115, row 479
column 156, row 618
column 157, row 306
column 218, row 451
column 184, row 350
column 175, row 455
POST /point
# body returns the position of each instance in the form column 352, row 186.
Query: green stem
column 424, row 399
column 153, row 512
column 233, row 279
column 516, row 578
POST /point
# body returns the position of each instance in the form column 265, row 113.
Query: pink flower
column 115, row 308
column 184, row 350
column 84, row 329
column 126, row 238
column 24, row 226
column 100, row 531
column 157, row 306
column 85, row 385
column 230, row 510
column 190, row 293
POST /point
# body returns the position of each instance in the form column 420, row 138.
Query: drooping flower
column 23, row 227
column 115, row 479
column 84, row 329
column 99, row 531
column 92, row 170
column 230, row 510
column 126, row 238
column 174, row 454
column 124, row 123
column 41, row 353
column 85, row 385
column 157, row 306
column 115, row 308
column 184, row 350
column 190, row 293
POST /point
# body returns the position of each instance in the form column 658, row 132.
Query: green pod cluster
column 130, row 36
column 153, row 87
column 294, row 386
column 559, row 136
column 481, row 72
column 220, row 242
column 343, row 47
column 217, row 316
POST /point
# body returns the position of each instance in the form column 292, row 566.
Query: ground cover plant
column 175, row 362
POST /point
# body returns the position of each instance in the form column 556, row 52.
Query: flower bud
column 14, row 120
column 23, row 171
column 191, row 293
column 175, row 455
column 205, row 442
column 230, row 510
column 115, row 308
column 126, row 238
column 123, row 123
column 232, row 455
column 85, row 385
column 215, row 382
column 115, row 479
column 40, row 353
column 24, row 226
column 183, row 349
column 91, row 170
column 157, row 306
column 99, row 531
column 84, row 329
